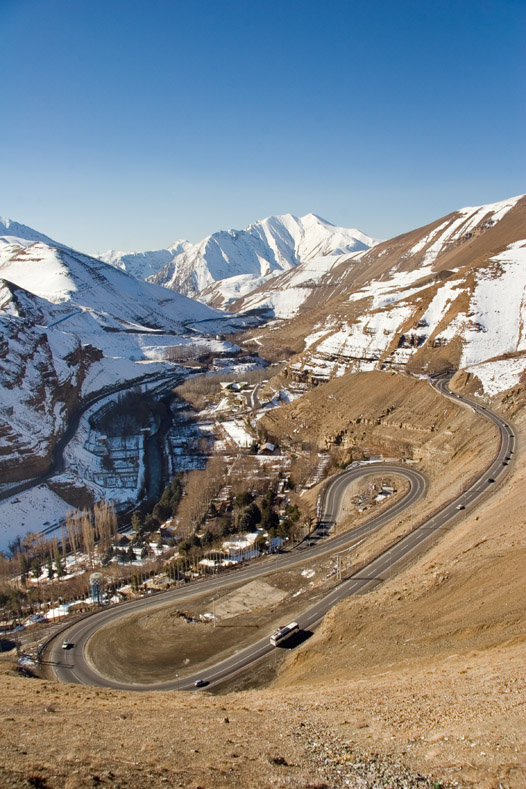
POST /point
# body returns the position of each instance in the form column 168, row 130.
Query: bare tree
column 56, row 556
column 6, row 568
column 105, row 522
column 200, row 489
column 88, row 535
column 63, row 541
column 73, row 528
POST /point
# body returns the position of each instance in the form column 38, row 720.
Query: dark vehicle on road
column 200, row 683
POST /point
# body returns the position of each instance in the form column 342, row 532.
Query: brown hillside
column 329, row 297
column 388, row 413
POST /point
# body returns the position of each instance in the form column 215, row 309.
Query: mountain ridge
column 12, row 232
column 229, row 263
column 450, row 294
column 72, row 325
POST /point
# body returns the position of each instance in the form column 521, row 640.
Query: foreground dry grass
column 78, row 737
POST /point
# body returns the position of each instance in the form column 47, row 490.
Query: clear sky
column 127, row 124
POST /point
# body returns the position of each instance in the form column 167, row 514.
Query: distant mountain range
column 230, row 264
column 71, row 325
column 143, row 265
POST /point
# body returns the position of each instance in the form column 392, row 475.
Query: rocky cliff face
column 374, row 413
column 40, row 385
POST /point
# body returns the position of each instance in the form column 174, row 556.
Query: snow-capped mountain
column 229, row 264
column 63, row 276
column 71, row 325
column 449, row 295
column 143, row 265
column 15, row 234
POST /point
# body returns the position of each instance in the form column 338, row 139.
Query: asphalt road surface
column 71, row 665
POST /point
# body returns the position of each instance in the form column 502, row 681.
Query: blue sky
column 129, row 123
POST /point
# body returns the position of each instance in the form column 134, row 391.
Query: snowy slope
column 71, row 325
column 287, row 294
column 453, row 296
column 143, row 265
column 230, row 264
column 466, row 223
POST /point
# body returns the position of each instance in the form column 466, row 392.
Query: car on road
column 200, row 683
column 491, row 479
column 66, row 644
column 461, row 506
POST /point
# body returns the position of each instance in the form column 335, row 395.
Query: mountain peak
column 15, row 232
column 230, row 263
column 314, row 219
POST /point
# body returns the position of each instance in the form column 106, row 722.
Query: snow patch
column 499, row 376
column 31, row 511
column 497, row 320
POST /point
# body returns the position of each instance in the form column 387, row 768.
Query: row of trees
column 36, row 552
column 87, row 528
column 185, row 353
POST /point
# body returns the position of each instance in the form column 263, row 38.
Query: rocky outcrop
column 41, row 386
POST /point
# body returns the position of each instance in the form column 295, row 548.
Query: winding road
column 72, row 665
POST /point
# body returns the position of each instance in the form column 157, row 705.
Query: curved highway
column 72, row 665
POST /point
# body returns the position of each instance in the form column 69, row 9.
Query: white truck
column 283, row 632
